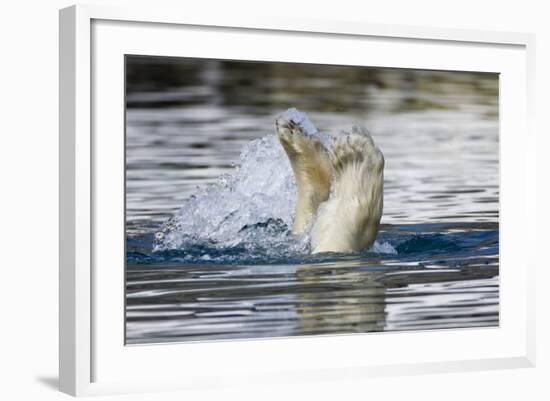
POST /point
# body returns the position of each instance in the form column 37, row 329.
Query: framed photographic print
column 345, row 196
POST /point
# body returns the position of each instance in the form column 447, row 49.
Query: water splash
column 384, row 247
column 248, row 211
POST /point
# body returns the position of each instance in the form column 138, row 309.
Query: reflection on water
column 187, row 121
column 440, row 277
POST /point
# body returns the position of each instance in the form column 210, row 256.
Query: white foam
column 384, row 247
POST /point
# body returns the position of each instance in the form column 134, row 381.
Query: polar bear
column 347, row 218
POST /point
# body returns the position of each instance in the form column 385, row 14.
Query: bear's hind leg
column 312, row 169
column 349, row 220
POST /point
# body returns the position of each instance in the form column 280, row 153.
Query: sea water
column 210, row 199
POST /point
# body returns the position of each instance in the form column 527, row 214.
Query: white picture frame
column 94, row 361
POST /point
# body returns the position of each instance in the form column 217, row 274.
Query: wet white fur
column 348, row 219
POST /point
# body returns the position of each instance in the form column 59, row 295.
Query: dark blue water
column 210, row 197
column 402, row 243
